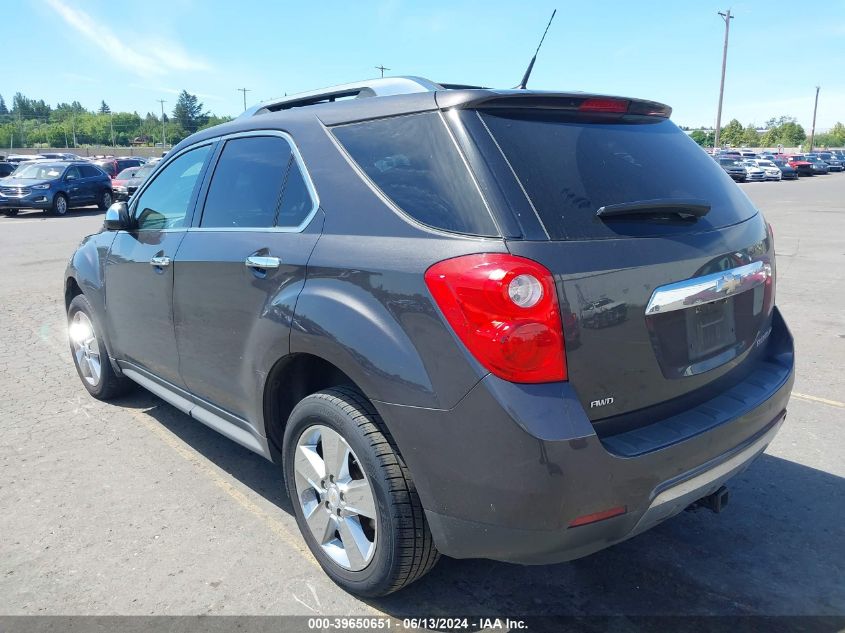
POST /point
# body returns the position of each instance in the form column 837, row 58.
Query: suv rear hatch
column 642, row 340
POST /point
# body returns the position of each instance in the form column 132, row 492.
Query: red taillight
column 603, row 105
column 504, row 309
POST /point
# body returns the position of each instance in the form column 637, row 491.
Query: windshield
column 765, row 163
column 127, row 173
column 143, row 171
column 571, row 165
column 39, row 171
column 727, row 161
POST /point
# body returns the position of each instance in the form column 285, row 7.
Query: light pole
column 163, row 135
column 727, row 17
column 244, row 90
column 813, row 129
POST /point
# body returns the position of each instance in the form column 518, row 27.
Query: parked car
column 786, row 170
column 376, row 302
column 833, row 163
column 22, row 158
column 128, row 181
column 800, row 164
column 734, row 168
column 818, row 165
column 771, row 170
column 54, row 186
column 113, row 166
column 752, row 172
column 7, row 168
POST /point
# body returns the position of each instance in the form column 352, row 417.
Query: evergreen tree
column 104, row 108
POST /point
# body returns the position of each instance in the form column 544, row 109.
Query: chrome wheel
column 107, row 199
column 61, row 205
column 335, row 497
column 86, row 348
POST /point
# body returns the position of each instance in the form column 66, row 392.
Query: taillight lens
column 504, row 309
column 601, row 104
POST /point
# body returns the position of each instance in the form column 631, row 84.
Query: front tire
column 105, row 201
column 353, row 496
column 60, row 206
column 90, row 355
column 10, row 212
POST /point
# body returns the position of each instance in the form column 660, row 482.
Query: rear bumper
column 505, row 473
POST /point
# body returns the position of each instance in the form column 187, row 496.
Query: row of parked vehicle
column 58, row 182
column 747, row 166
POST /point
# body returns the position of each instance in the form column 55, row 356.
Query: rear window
column 415, row 162
column 570, row 167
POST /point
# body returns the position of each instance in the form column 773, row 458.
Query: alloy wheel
column 86, row 348
column 335, row 497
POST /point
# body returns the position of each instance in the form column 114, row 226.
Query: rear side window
column 247, row 183
column 89, row 171
column 414, row 161
column 570, row 166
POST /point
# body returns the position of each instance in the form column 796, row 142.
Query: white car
column 752, row 171
column 772, row 171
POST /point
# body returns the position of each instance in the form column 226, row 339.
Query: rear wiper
column 686, row 208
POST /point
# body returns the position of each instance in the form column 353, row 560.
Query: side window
column 247, row 182
column 164, row 204
column 72, row 173
column 413, row 160
column 89, row 171
column 297, row 202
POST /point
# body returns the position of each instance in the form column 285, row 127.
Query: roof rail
column 384, row 87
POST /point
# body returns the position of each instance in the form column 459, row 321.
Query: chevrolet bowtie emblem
column 728, row 283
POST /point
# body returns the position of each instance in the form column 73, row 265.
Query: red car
column 113, row 166
column 797, row 162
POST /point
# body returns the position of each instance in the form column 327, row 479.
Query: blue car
column 55, row 186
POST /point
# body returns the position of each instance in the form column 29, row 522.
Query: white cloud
column 160, row 59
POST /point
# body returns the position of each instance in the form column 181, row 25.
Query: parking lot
column 133, row 508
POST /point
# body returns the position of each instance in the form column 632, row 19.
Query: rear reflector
column 598, row 516
column 604, row 105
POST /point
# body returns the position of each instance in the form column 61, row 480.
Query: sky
column 133, row 54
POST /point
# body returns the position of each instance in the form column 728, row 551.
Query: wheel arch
column 292, row 378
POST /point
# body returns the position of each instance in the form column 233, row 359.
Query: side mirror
column 117, row 218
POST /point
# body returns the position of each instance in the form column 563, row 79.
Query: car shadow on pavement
column 775, row 550
column 34, row 214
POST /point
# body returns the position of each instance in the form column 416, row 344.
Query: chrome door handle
column 160, row 261
column 262, row 262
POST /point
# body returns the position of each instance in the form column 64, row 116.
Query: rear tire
column 105, row 201
column 10, row 212
column 403, row 549
column 90, row 355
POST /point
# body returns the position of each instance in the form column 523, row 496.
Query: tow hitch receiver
column 715, row 502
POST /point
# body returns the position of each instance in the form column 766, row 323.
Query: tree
column 104, row 108
column 3, row 109
column 703, row 138
column 732, row 133
column 751, row 137
column 188, row 112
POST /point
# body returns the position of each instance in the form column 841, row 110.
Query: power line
column 727, row 17
column 382, row 69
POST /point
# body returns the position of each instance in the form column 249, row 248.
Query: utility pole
column 727, row 17
column 163, row 135
column 813, row 129
column 244, row 90
column 382, row 69
column 112, row 129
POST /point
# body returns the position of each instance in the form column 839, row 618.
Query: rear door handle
column 160, row 261
column 262, row 262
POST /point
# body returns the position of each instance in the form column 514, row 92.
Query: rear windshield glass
column 571, row 166
column 414, row 161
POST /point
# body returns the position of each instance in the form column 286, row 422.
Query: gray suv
column 380, row 287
